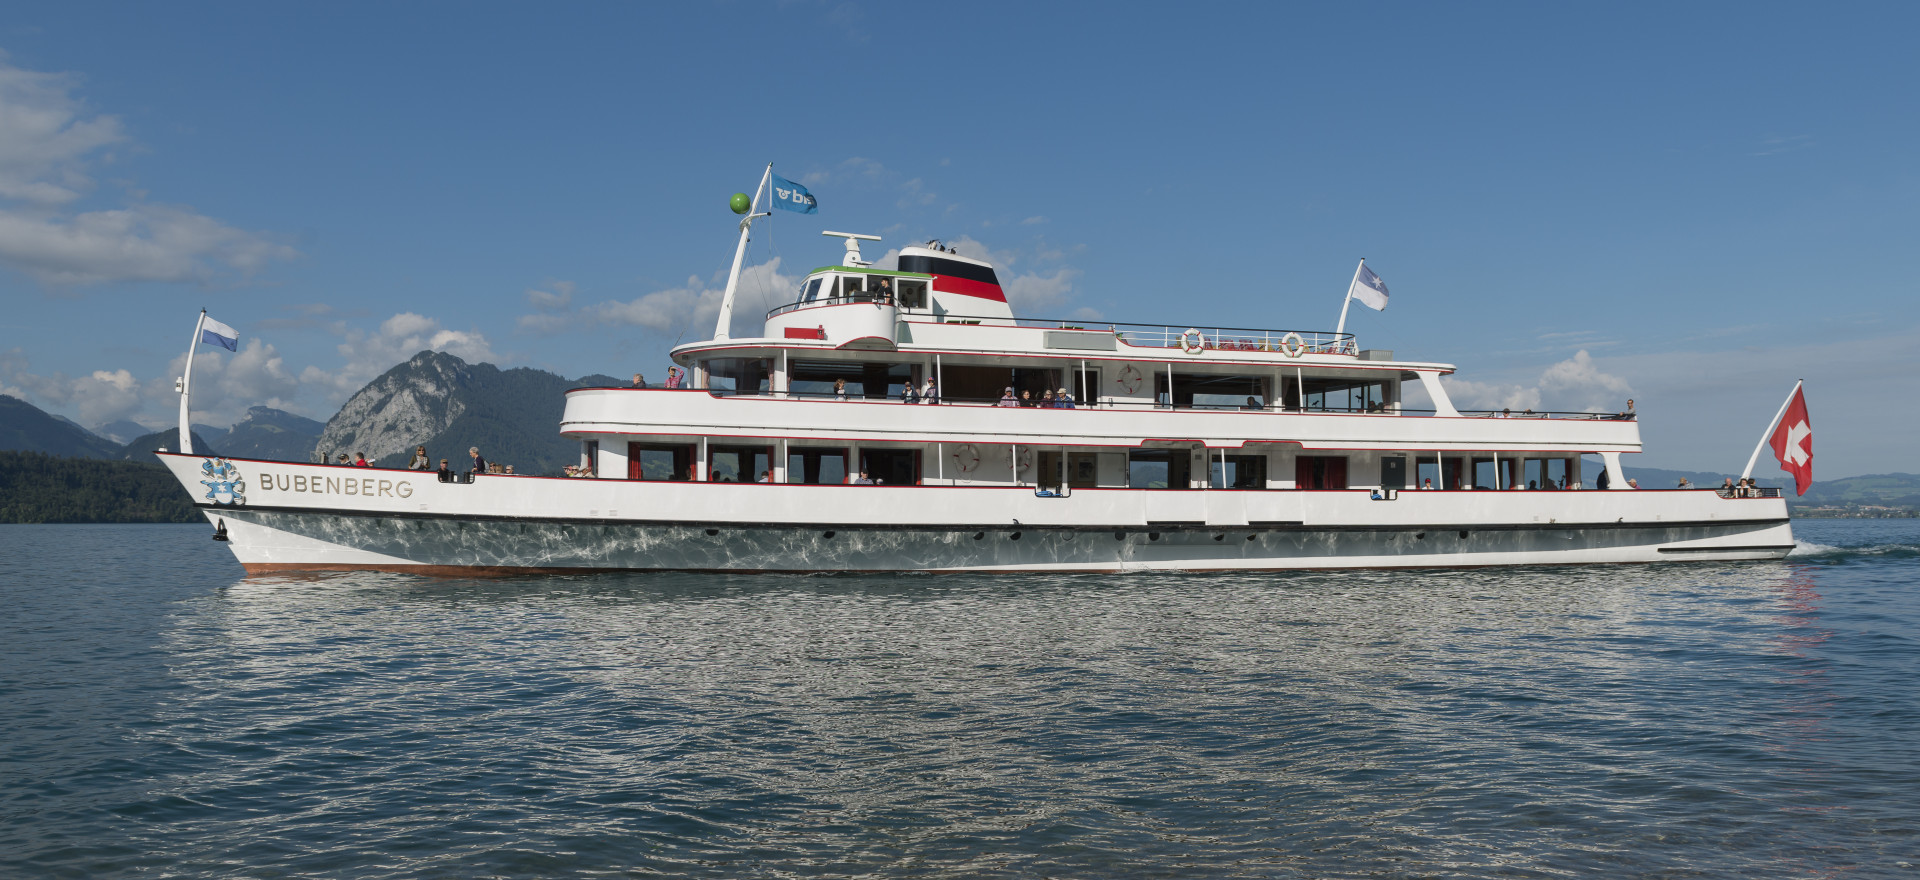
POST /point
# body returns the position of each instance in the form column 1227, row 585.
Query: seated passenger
column 839, row 389
column 1006, row 399
column 765, row 477
column 1026, row 398
column 863, row 480
column 1065, row 400
column 1047, row 401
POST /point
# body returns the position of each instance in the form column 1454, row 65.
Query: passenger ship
column 1182, row 448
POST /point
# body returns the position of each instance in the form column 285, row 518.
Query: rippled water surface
column 165, row 716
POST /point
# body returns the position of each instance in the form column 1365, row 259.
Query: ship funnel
column 853, row 257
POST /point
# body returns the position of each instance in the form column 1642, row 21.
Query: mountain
column 121, row 432
column 449, row 405
column 141, row 449
column 28, row 428
column 272, row 434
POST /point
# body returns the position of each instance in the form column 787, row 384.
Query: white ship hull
column 294, row 517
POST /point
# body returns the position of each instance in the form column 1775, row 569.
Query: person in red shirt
column 360, row 460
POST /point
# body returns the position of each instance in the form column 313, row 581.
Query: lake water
column 165, row 716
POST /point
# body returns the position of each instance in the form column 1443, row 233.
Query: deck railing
column 1136, row 335
column 1109, row 403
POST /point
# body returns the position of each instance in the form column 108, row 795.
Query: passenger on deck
column 1006, row 399
column 839, row 389
column 930, row 394
column 1047, row 401
column 908, row 393
column 639, row 381
column 1685, row 483
column 673, row 377
column 884, row 293
column 1026, row 398
column 360, row 460
column 343, row 460
column 1429, row 483
column 420, row 461
column 446, row 471
column 1726, row 488
column 1065, row 400
column 864, row 480
column 765, row 477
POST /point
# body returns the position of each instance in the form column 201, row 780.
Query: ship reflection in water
column 1318, row 723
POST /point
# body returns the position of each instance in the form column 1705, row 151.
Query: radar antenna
column 854, row 239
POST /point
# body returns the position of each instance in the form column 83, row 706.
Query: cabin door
column 1393, row 472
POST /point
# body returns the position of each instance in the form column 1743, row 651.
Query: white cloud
column 1573, row 385
column 400, row 337
column 692, row 308
column 555, row 300
column 1030, row 293
column 47, row 143
column 102, row 396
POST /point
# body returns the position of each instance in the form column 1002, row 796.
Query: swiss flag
column 1793, row 442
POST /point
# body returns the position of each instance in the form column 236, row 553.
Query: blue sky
column 1689, row 205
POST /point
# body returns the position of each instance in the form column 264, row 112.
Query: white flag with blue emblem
column 220, row 334
column 1369, row 289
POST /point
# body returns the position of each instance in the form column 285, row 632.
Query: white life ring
column 966, row 458
column 1292, row 345
column 1130, row 379
column 1026, row 461
column 1192, row 341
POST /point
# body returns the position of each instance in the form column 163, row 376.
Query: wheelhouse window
column 670, row 462
column 912, row 292
column 812, row 291
column 739, row 375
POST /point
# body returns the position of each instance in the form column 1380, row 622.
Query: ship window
column 1210, row 391
column 659, row 461
column 913, row 294
column 891, row 467
column 738, row 375
column 1239, row 472
column 985, row 384
column 865, row 379
column 805, row 465
column 1320, row 471
column 1341, row 395
column 813, row 290
column 1159, row 469
column 738, row 464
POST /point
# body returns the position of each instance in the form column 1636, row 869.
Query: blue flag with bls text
column 793, row 196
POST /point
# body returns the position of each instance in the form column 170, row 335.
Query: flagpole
column 725, row 319
column 186, row 387
column 1348, row 301
column 1768, row 433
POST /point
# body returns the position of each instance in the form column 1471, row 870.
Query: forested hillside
column 40, row 488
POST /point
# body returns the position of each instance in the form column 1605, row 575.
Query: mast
column 1768, row 433
column 739, row 253
column 1347, row 302
column 186, row 387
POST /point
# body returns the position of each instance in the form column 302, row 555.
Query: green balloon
column 740, row 203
